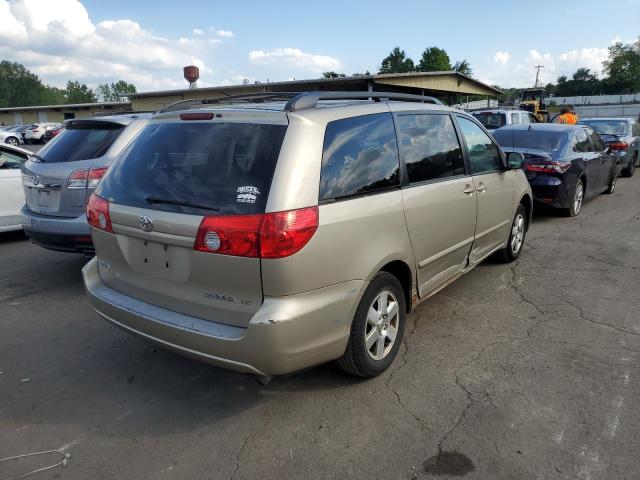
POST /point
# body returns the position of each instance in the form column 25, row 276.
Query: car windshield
column 196, row 167
column 81, row 142
column 544, row 140
column 491, row 120
column 607, row 127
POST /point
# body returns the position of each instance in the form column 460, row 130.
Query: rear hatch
column 177, row 172
column 56, row 180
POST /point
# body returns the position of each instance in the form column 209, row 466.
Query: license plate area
column 160, row 260
column 43, row 198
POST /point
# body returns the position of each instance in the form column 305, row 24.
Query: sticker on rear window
column 247, row 194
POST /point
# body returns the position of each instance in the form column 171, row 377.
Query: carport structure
column 450, row 87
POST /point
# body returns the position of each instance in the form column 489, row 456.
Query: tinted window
column 429, row 147
column 607, row 127
column 360, row 155
column 483, row 153
column 530, row 139
column 581, row 141
column 515, row 118
column 596, row 142
column 491, row 120
column 223, row 166
column 81, row 143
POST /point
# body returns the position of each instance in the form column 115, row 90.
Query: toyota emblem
column 146, row 223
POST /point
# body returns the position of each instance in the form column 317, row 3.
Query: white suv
column 492, row 119
column 35, row 132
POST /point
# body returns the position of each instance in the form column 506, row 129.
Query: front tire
column 12, row 141
column 377, row 328
column 512, row 251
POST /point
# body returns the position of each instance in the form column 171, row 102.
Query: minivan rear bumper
column 286, row 334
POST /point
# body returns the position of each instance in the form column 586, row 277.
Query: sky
column 147, row 42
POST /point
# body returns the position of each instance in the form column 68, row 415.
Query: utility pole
column 538, row 67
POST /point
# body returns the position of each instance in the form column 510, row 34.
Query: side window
column 483, row 153
column 596, row 142
column 9, row 159
column 360, row 155
column 526, row 118
column 581, row 141
column 515, row 118
column 429, row 147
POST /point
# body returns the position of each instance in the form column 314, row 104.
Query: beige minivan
column 273, row 232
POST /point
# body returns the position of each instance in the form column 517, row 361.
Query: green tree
column 623, row 68
column 115, row 92
column 397, row 62
column 463, row 67
column 434, row 59
column 333, row 74
column 18, row 86
column 79, row 93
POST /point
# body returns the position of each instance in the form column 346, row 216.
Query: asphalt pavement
column 521, row 371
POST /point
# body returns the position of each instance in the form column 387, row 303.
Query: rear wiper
column 167, row 201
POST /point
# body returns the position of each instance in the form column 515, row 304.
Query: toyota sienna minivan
column 273, row 232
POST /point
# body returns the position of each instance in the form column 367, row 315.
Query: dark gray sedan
column 622, row 136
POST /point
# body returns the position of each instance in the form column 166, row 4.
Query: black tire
column 512, row 251
column 573, row 211
column 631, row 168
column 612, row 185
column 357, row 360
column 12, row 141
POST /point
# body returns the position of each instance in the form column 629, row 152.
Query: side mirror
column 515, row 160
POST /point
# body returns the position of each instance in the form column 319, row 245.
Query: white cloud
column 295, row 57
column 59, row 42
column 501, row 57
column 224, row 33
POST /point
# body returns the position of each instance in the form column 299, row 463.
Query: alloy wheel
column 381, row 328
column 517, row 233
column 12, row 141
column 578, row 198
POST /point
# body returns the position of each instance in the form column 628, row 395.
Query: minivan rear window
column 81, row 142
column 547, row 141
column 197, row 168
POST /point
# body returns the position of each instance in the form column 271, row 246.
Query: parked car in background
column 52, row 132
column 10, row 137
column 622, row 136
column 565, row 164
column 35, row 132
column 61, row 178
column 271, row 237
column 492, row 119
column 11, row 192
column 19, row 131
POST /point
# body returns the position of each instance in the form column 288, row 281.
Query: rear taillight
column 270, row 235
column 78, row 179
column 618, row 146
column 98, row 213
column 95, row 175
column 86, row 178
column 549, row 167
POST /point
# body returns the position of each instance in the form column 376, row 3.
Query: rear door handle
column 481, row 187
column 468, row 189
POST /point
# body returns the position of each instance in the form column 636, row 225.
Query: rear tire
column 512, row 251
column 376, row 336
column 576, row 200
column 612, row 185
column 631, row 168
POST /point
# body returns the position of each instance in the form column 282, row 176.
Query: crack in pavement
column 613, row 264
column 237, row 457
column 595, row 322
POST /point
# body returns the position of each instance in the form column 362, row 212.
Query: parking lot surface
column 521, row 371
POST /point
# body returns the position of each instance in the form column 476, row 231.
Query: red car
column 52, row 132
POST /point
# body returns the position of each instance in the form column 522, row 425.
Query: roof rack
column 300, row 100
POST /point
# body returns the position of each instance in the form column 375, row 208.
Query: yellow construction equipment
column 534, row 100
